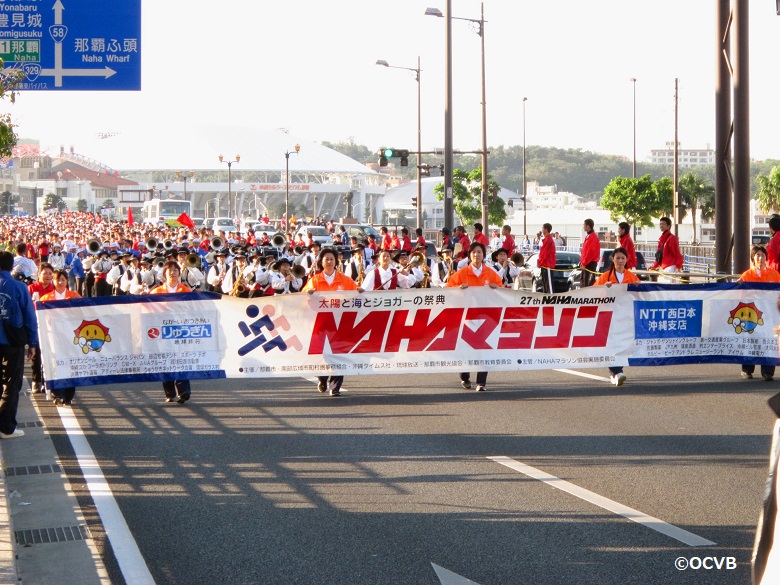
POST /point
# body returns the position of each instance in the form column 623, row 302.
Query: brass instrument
column 94, row 246
column 418, row 260
column 193, row 260
column 298, row 271
column 278, row 241
column 217, row 243
column 160, row 262
column 239, row 286
column 361, row 272
column 169, row 244
column 298, row 250
column 152, row 243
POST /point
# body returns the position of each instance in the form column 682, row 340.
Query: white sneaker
column 16, row 433
column 619, row 379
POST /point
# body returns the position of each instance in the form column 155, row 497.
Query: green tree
column 696, row 197
column 108, row 203
column 9, row 81
column 82, row 205
column 664, row 195
column 632, row 200
column 53, row 201
column 467, row 197
column 6, row 201
column 768, row 193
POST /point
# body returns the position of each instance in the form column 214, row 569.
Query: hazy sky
column 309, row 65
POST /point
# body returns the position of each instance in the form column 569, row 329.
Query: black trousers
column 333, row 383
column 11, row 376
column 102, row 288
column 174, row 388
column 64, row 394
column 547, row 285
column 37, row 367
column 765, row 370
column 588, row 274
column 481, row 378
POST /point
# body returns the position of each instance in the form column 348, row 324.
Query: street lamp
column 448, row 154
column 480, row 24
column 525, row 182
column 633, row 81
column 181, row 174
column 287, row 186
column 229, row 163
column 417, row 71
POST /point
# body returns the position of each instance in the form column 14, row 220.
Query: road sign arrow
column 449, row 578
column 104, row 72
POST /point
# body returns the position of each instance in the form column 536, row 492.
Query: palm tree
column 697, row 198
column 768, row 194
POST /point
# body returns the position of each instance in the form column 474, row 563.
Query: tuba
column 152, row 243
column 169, row 245
column 217, row 243
column 94, row 246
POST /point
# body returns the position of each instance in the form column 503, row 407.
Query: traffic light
column 425, row 169
column 404, row 154
column 414, row 201
column 387, row 153
column 382, row 159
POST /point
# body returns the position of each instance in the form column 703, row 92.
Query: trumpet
column 94, row 246
column 152, row 243
column 193, row 260
column 217, row 243
column 169, row 245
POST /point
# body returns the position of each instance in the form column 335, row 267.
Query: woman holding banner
column 175, row 390
column 617, row 274
column 328, row 279
column 475, row 273
column 759, row 272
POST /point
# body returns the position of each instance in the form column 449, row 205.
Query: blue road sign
column 73, row 44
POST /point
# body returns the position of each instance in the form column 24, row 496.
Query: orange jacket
column 466, row 276
column 163, row 289
column 609, row 276
column 318, row 283
column 767, row 275
column 69, row 294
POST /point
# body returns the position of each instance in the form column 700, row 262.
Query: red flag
column 185, row 220
column 130, row 220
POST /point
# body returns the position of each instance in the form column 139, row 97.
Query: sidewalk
column 44, row 538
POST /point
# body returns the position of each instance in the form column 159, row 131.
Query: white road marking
column 449, row 578
column 584, row 375
column 634, row 515
column 131, row 563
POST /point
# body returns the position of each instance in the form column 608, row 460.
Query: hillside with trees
column 578, row 171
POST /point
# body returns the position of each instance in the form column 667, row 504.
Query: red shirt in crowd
column 591, row 249
column 546, row 252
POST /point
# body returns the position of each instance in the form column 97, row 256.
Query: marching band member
column 100, row 269
column 144, row 279
column 218, row 271
column 234, row 278
column 283, row 281
column 386, row 277
column 475, row 274
column 190, row 275
column 310, row 259
column 328, row 279
column 441, row 268
column 506, row 270
column 129, row 276
column 402, row 259
column 356, row 266
column 116, row 273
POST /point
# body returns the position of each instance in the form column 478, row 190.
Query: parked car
column 256, row 226
column 208, row 222
column 530, row 274
column 318, row 233
column 224, row 224
column 362, row 231
column 605, row 263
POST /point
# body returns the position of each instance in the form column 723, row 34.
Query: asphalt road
column 271, row 482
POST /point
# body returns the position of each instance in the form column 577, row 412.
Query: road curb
column 8, row 571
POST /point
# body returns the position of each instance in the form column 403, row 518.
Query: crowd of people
column 82, row 255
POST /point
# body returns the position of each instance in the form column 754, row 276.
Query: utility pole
column 676, row 199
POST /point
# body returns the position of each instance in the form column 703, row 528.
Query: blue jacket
column 77, row 268
column 17, row 308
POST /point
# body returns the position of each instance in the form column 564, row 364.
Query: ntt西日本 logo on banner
column 659, row 319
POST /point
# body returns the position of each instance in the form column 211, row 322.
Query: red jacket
column 508, row 244
column 547, row 253
column 466, row 243
column 671, row 251
column 406, row 244
column 773, row 252
column 627, row 243
column 482, row 239
column 591, row 249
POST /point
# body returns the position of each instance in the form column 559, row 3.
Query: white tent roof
column 171, row 148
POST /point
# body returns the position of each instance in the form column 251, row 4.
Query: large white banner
column 197, row 336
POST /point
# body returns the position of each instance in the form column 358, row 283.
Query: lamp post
column 384, row 63
column 480, row 24
column 448, row 149
column 183, row 175
column 229, row 163
column 633, row 172
column 287, row 186
column 525, row 182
